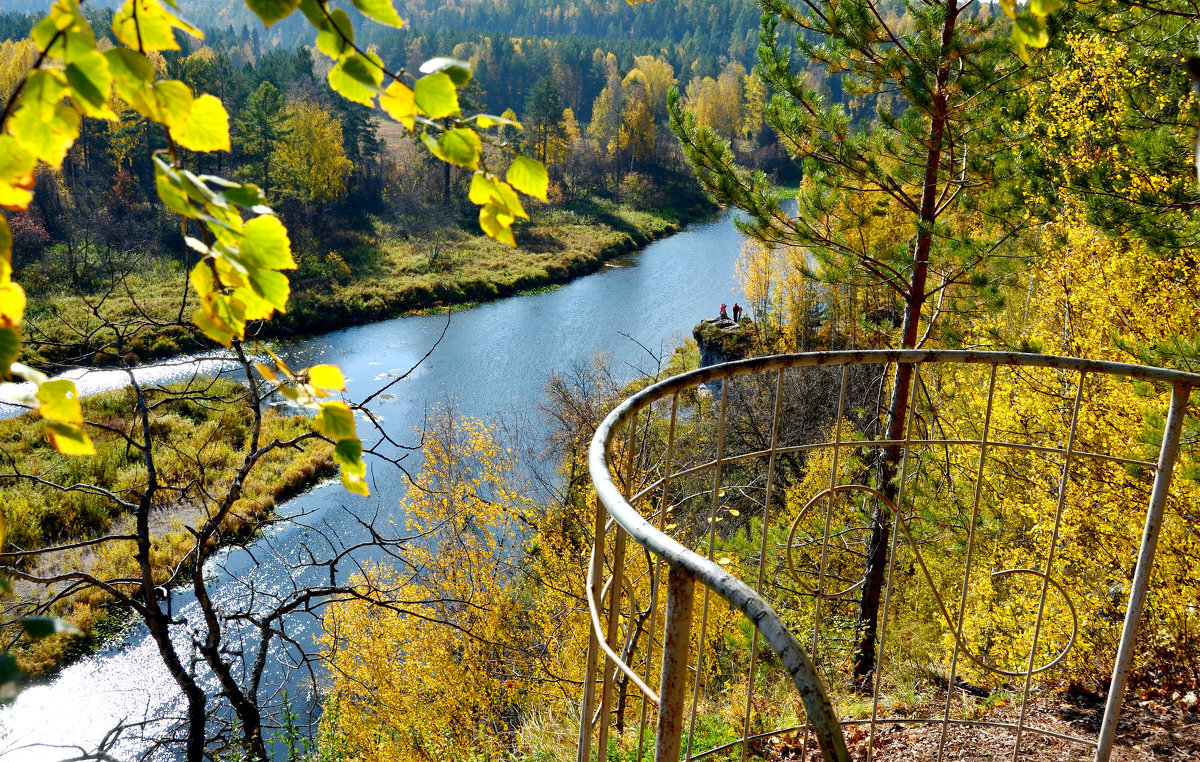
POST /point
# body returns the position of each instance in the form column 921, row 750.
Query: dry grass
column 347, row 278
column 197, row 444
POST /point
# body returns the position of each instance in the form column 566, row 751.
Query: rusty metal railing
column 678, row 447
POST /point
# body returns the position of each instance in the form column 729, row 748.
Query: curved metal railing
column 669, row 453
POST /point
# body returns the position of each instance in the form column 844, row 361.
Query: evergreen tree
column 929, row 165
column 543, row 117
column 261, row 127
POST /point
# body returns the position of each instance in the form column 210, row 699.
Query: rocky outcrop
column 722, row 340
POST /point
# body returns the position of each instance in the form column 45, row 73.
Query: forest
column 216, row 181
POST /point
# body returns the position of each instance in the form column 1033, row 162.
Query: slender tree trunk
column 877, row 547
column 157, row 620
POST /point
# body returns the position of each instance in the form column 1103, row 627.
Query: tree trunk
column 867, row 629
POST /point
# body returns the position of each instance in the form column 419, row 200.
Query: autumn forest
column 221, row 215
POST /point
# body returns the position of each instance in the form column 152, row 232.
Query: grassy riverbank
column 199, row 445
column 369, row 270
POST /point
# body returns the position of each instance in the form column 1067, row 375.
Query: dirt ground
column 1151, row 729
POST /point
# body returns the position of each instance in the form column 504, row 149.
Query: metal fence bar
column 712, row 536
column 663, row 502
column 762, row 552
column 595, row 573
column 1058, row 514
column 962, row 598
column 677, row 641
column 820, row 591
column 768, row 628
column 614, row 604
column 1141, row 576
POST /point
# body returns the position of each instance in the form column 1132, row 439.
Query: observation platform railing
column 1022, row 512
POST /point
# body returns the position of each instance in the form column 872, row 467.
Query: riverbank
column 361, row 277
column 199, row 442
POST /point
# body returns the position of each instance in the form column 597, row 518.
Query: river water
column 493, row 359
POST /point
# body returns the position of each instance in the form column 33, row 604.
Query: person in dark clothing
column 737, row 313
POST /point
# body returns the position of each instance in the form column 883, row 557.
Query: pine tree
column 261, row 127
column 543, row 118
column 932, row 162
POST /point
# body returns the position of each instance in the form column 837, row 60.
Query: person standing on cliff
column 737, row 313
column 724, row 314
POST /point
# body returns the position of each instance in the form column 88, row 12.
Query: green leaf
column 1044, row 7
column 171, row 190
column 149, row 26
column 16, row 173
column 435, row 96
column 265, row 243
column 487, row 189
column 497, row 223
column 335, row 421
column 1028, row 30
column 10, row 677
column 5, row 241
column 5, row 585
column 207, row 126
column 312, row 11
column 69, row 439
column 60, row 401
column 335, row 38
column 272, row 286
column 44, row 88
column 381, row 11
column 487, row 120
column 348, row 454
column 357, row 78
column 247, row 195
column 12, row 298
column 458, row 71
column 529, row 177
column 50, row 136
column 144, row 25
column 271, row 11
column 91, row 83
column 327, row 377
column 397, row 100
column 459, row 146
column 131, row 71
column 64, row 32
column 10, row 349
column 38, row 627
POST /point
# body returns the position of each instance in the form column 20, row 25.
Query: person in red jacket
column 724, row 314
column 737, row 313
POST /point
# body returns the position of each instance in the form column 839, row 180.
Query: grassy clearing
column 368, row 270
column 198, row 443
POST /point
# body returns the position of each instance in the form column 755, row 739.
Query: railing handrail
column 738, row 594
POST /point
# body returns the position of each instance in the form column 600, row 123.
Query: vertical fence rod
column 1141, row 576
column 962, row 598
column 1058, row 514
column 762, row 554
column 677, row 637
column 589, row 681
column 614, row 603
column 887, row 590
column 712, row 537
column 663, row 504
column 824, row 563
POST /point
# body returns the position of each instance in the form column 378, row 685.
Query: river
column 494, row 359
